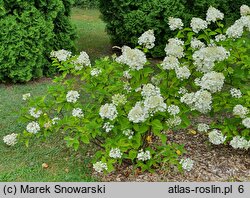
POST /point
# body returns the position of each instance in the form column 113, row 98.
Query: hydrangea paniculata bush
column 125, row 104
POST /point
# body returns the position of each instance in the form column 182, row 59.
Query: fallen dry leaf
column 45, row 166
column 192, row 131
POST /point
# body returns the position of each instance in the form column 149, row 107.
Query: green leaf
column 125, row 124
column 76, row 145
column 136, row 141
column 157, row 125
column 212, row 33
column 110, row 165
column 132, row 154
column 85, row 139
column 72, row 142
column 27, row 143
column 185, row 120
column 143, row 129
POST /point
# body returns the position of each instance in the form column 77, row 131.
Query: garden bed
column 212, row 163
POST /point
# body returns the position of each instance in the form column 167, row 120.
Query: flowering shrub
column 126, row 105
column 132, row 18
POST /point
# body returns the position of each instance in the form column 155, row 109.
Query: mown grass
column 20, row 163
column 92, row 37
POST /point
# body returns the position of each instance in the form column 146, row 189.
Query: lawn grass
column 20, row 163
column 92, row 37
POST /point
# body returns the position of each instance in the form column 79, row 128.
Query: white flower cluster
column 54, row 120
column 155, row 80
column 200, row 100
column 95, row 72
column 246, row 122
column 174, row 121
column 187, row 164
column 173, row 110
column 82, row 60
column 175, row 48
column 108, row 111
column 108, row 127
column 175, row 23
column 35, row 113
column 72, row 96
column 220, row 37
column 202, row 127
column 129, row 133
column 182, row 72
column 127, row 87
column 61, row 55
column 115, row 153
column 33, row 127
column 150, row 90
column 77, row 112
column 143, row 156
column 246, row 22
column 197, row 44
column 236, row 93
column 100, row 166
column 170, row 62
column 138, row 113
column 152, row 103
column 212, row 81
column 10, row 139
column 126, row 74
column 26, row 96
column 147, row 39
column 134, row 58
column 198, row 24
column 216, row 137
column 244, row 10
column 237, row 29
column 213, row 15
column 240, row 143
column 182, row 91
column 119, row 99
column 205, row 58
column 240, row 111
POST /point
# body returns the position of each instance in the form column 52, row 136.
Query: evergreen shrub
column 128, row 19
column 29, row 31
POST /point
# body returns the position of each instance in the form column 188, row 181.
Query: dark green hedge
column 88, row 4
column 30, row 30
column 128, row 19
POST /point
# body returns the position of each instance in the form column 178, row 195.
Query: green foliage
column 236, row 71
column 127, row 105
column 88, row 4
column 29, row 31
column 230, row 8
column 98, row 90
column 127, row 20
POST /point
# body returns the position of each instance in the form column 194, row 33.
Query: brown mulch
column 212, row 163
